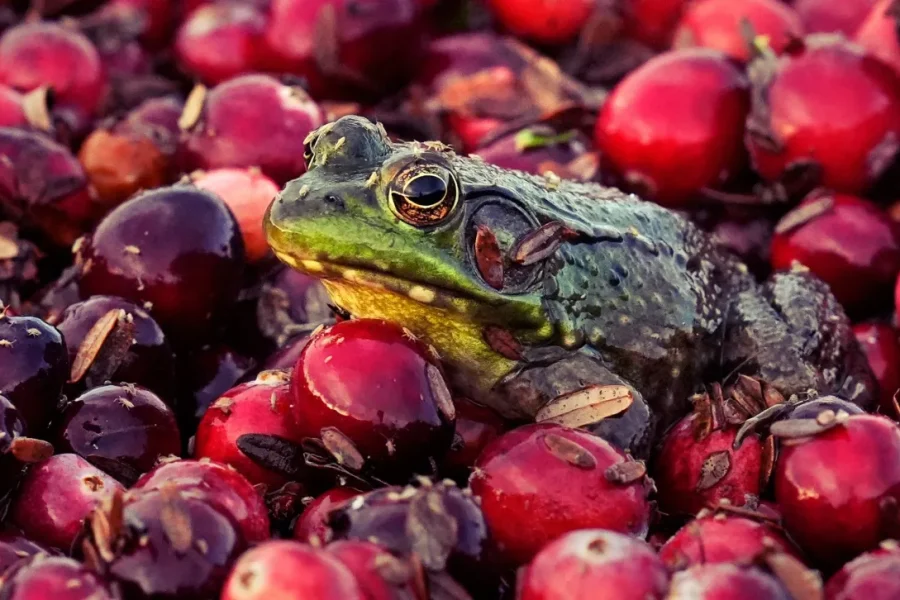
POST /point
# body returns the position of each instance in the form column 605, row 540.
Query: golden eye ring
column 424, row 195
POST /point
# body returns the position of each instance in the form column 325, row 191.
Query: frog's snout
column 351, row 141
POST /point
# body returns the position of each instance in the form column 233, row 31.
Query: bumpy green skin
column 639, row 296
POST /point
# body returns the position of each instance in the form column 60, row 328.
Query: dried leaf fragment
column 193, row 108
column 503, row 342
column 626, row 472
column 586, row 406
column 342, row 448
column 714, row 469
column 541, row 243
column 569, row 451
column 93, row 342
column 176, row 524
column 432, row 529
column 488, row 257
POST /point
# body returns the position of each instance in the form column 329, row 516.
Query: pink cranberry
column 848, row 242
column 654, row 138
column 878, row 34
column 57, row 578
column 594, row 563
column 379, row 573
column 557, row 480
column 882, row 347
column 543, row 21
column 251, row 121
column 313, row 523
column 57, row 495
column 833, row 17
column 870, row 576
column 723, row 580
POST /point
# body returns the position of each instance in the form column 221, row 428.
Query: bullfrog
column 532, row 289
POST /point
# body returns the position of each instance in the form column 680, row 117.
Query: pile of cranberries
column 183, row 418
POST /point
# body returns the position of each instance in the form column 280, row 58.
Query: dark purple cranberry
column 476, row 427
column 57, row 495
column 176, row 251
column 16, row 548
column 165, row 545
column 122, row 429
column 33, row 368
column 217, row 484
column 16, row 449
column 379, row 573
column 156, row 119
column 111, row 339
column 291, row 303
column 43, row 578
column 20, row 274
column 313, row 523
column 205, row 374
column 157, row 18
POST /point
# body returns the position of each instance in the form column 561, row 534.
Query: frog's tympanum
column 531, row 288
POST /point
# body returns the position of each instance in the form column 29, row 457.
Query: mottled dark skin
column 634, row 294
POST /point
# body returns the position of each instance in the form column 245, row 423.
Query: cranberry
column 165, row 545
column 109, row 338
column 33, row 367
column 15, row 548
column 155, row 119
column 720, row 538
column 439, row 523
column 250, row 121
column 156, row 17
column 540, row 149
column 57, row 495
column 476, row 427
column 594, row 563
column 15, row 448
column 113, row 32
column 848, row 242
column 47, row 54
column 833, row 17
column 176, row 251
column 55, row 577
column 122, row 429
column 850, row 135
column 653, row 22
column 870, row 576
column 375, row 396
column 44, row 186
column 652, row 134
column 216, row 484
column 718, row 24
column 286, row 569
column 878, row 34
column 882, row 347
column 379, row 573
column 723, row 580
column 557, row 480
column 206, row 374
column 313, row 523
column 259, row 407
column 286, row 357
column 248, row 193
column 847, row 478
column 12, row 113
column 220, row 41
column 543, row 21
column 291, row 303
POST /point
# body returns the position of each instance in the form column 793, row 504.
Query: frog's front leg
column 554, row 375
column 792, row 333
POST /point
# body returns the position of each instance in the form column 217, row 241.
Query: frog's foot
column 576, row 389
column 793, row 334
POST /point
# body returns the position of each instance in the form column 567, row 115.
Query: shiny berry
column 15, row 448
column 12, row 112
column 111, row 339
column 476, row 427
column 723, row 580
column 557, row 480
column 653, row 136
column 205, row 374
column 540, row 149
column 287, row 569
column 792, row 124
column 594, row 563
column 57, row 578
column 313, row 523
column 878, row 34
column 653, row 22
column 175, row 251
column 217, row 484
column 57, row 495
column 870, row 576
column 250, row 121
column 719, row 24
column 375, row 397
column 379, row 573
column 33, row 368
column 839, row 490
column 15, row 548
column 832, row 17
column 881, row 344
column 543, row 21
column 122, row 429
column 849, row 243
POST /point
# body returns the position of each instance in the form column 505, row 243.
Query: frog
column 537, row 293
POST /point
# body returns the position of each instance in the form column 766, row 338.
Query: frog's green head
column 391, row 230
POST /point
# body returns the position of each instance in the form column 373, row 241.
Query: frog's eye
column 424, row 194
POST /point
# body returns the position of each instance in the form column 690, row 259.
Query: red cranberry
column 543, row 21
column 557, row 480
column 870, row 576
column 718, row 24
column 882, row 347
column 540, row 149
column 721, row 538
column 248, row 193
column 653, row 22
column 220, row 41
column 379, row 573
column 206, row 374
column 848, row 242
column 251, row 121
column 12, row 112
column 122, row 429
column 476, row 427
column 57, row 495
column 833, row 17
column 214, row 483
column 261, row 407
column 723, row 580
column 57, row 578
column 166, row 545
column 47, row 54
column 44, row 186
column 15, row 548
column 33, row 367
column 176, row 251
column 109, row 338
column 650, row 131
column 838, row 491
column 375, row 396
column 793, row 124
column 594, row 563
column 286, row 569
column 878, row 34
column 313, row 523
